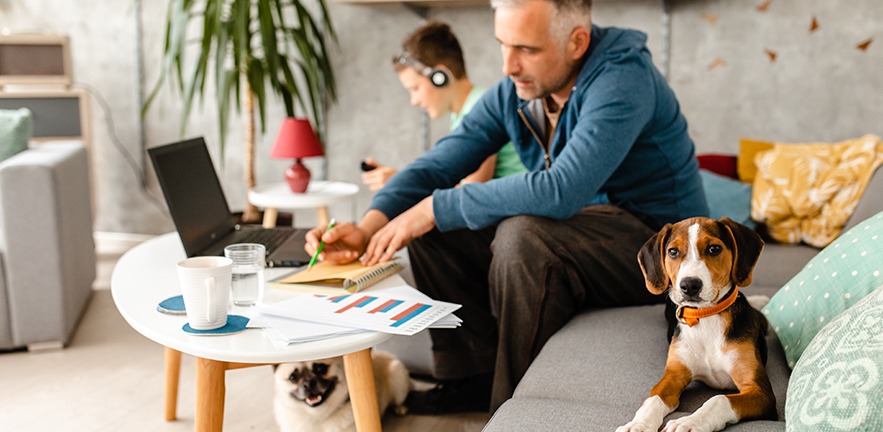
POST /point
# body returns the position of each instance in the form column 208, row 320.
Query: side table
column 319, row 195
column 146, row 275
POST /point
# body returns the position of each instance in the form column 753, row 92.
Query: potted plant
column 249, row 46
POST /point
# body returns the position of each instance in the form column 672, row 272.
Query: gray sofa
column 47, row 252
column 597, row 370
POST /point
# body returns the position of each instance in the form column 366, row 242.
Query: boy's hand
column 378, row 176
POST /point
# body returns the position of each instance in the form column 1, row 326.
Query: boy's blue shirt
column 621, row 139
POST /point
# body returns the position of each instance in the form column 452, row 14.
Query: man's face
column 536, row 64
column 423, row 94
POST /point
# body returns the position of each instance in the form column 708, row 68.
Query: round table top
column 146, row 275
column 318, row 194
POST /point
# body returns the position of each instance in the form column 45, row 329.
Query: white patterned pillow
column 837, row 385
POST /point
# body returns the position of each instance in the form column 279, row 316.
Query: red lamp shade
column 296, row 140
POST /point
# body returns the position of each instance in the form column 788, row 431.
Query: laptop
column 199, row 208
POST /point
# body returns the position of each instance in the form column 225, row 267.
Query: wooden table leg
column 270, row 215
column 210, row 389
column 360, row 382
column 173, row 371
column 322, row 216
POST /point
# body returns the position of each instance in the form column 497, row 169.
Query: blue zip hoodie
column 621, row 139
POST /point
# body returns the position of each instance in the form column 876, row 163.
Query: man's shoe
column 464, row 395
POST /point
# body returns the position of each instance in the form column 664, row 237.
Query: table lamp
column 296, row 140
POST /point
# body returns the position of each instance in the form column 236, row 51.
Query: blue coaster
column 235, row 324
column 172, row 306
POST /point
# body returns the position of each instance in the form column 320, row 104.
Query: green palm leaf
column 249, row 39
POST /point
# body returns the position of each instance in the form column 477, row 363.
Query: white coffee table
column 146, row 275
column 319, row 195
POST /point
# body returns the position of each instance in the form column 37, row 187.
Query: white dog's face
column 312, row 384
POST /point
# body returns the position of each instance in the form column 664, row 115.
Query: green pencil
column 321, row 246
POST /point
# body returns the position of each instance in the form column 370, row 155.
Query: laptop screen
column 193, row 193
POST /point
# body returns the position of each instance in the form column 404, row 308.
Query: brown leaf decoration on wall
column 764, row 6
column 814, row 25
column 710, row 18
column 771, row 54
column 864, row 45
column 717, row 63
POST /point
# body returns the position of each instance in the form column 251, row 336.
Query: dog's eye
column 320, row 369
column 295, row 376
column 714, row 250
column 673, row 253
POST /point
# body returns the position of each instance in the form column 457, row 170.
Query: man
column 610, row 162
column 435, row 44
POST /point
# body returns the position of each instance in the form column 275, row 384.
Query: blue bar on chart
column 361, row 302
column 408, row 314
column 386, row 306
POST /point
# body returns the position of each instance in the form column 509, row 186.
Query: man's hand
column 344, row 243
column 396, row 234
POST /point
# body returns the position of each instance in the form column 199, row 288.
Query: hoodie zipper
column 545, row 146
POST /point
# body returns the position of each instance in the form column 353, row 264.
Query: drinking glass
column 248, row 272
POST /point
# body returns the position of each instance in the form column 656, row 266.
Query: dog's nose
column 691, row 286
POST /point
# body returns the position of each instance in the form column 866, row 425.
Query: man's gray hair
column 566, row 16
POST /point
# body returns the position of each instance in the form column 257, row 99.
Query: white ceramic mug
column 205, row 283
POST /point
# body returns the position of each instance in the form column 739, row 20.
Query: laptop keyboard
column 270, row 238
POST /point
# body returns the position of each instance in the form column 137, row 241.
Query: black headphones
column 438, row 77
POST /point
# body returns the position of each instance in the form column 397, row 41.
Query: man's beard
column 537, row 91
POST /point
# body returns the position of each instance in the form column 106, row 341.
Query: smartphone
column 367, row 167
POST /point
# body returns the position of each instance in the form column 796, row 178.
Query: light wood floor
column 109, row 379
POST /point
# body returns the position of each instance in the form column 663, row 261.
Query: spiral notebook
column 351, row 277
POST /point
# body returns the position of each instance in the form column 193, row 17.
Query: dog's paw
column 687, row 424
column 634, row 426
column 757, row 301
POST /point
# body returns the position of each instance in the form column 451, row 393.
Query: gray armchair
column 47, row 252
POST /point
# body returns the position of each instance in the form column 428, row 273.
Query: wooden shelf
column 419, row 3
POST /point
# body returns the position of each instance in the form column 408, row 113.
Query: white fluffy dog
column 313, row 396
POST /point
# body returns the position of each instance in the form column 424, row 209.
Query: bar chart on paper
column 370, row 311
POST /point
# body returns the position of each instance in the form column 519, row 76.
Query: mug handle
column 209, row 292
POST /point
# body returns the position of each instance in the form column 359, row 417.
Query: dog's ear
column 651, row 257
column 747, row 247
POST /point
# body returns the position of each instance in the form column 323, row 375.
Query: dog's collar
column 690, row 315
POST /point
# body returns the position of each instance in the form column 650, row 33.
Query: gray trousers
column 521, row 281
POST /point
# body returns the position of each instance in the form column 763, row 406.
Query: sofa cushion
column 748, row 149
column 535, row 414
column 838, row 381
column 615, row 356
column 727, row 197
column 15, row 131
column 835, row 279
column 720, row 164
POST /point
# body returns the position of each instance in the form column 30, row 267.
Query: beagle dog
column 715, row 335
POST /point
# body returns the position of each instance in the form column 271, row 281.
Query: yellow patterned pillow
column 807, row 192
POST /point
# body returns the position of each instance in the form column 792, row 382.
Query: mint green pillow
column 15, row 132
column 838, row 383
column 835, row 279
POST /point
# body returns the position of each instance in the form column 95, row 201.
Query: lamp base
column 298, row 177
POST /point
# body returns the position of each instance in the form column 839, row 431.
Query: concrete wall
column 820, row 87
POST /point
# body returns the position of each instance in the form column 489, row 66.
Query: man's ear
column 579, row 42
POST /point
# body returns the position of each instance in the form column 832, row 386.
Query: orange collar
column 690, row 315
